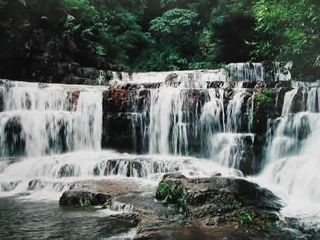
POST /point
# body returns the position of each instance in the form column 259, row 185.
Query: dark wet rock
column 120, row 129
column 78, row 198
column 217, row 208
column 220, row 200
column 215, row 84
column 14, row 138
column 73, row 98
column 281, row 92
column 67, row 171
column 122, row 100
column 260, row 85
column 36, row 184
column 311, row 232
column 248, row 84
column 298, row 101
column 284, row 84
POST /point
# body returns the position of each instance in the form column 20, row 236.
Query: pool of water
column 20, row 219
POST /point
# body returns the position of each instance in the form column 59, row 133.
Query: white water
column 175, row 115
column 232, row 72
column 50, row 175
column 50, row 119
column 152, row 77
column 166, row 116
column 44, row 113
column 246, row 71
column 293, row 163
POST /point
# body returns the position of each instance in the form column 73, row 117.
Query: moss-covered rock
column 219, row 200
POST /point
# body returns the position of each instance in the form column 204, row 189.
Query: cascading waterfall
column 292, row 160
column 174, row 117
column 50, row 135
column 37, row 121
column 224, row 142
column 247, row 71
column 167, row 129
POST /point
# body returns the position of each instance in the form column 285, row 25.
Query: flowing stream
column 51, row 135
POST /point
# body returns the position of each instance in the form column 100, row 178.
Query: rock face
column 78, row 198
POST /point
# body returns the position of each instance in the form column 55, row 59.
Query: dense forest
column 153, row 35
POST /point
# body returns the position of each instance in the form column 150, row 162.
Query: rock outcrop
column 218, row 200
column 78, row 198
column 211, row 208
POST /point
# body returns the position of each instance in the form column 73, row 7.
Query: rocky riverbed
column 188, row 208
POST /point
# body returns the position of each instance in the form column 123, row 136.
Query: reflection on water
column 46, row 220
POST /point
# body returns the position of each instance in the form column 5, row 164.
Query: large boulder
column 219, row 200
column 79, row 198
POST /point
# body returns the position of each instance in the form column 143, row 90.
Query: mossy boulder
column 220, row 200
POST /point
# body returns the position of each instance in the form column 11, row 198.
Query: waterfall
column 151, row 77
column 195, row 120
column 38, row 120
column 191, row 118
column 168, row 126
column 293, row 154
column 246, row 71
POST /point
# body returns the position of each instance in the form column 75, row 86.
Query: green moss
column 166, row 191
column 245, row 218
column 265, row 99
column 170, row 192
column 85, row 203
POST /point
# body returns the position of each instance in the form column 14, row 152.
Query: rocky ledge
column 183, row 208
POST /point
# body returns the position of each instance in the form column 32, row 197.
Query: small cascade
column 40, row 120
column 292, row 159
column 57, row 172
column 268, row 71
column 237, row 72
column 88, row 123
column 246, row 71
column 102, row 78
column 168, row 126
column 191, row 118
column 221, row 125
column 152, row 77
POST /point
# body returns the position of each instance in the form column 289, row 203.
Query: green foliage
column 166, row 191
column 174, row 21
column 245, row 218
column 145, row 35
column 291, row 30
column 172, row 193
column 85, row 203
column 265, row 99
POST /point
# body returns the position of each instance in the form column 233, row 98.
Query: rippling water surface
column 21, row 219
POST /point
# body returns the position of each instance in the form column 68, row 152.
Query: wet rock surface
column 219, row 196
column 213, row 208
column 79, row 198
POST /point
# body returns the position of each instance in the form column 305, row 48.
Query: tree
column 292, row 29
column 175, row 30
